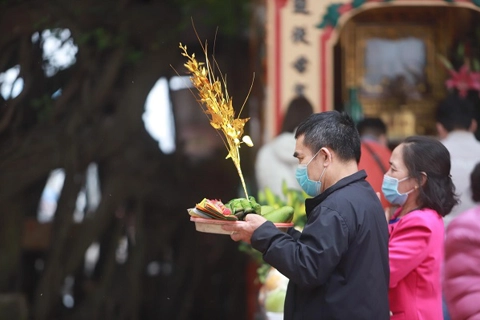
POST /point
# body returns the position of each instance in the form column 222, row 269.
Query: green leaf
column 445, row 62
column 461, row 51
column 475, row 65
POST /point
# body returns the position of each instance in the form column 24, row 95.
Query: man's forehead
column 300, row 148
column 300, row 139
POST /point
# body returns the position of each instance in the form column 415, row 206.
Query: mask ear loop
column 324, row 167
column 313, row 157
column 323, row 172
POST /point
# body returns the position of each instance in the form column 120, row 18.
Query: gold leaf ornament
column 218, row 107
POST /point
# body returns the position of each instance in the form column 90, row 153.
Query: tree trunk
column 123, row 49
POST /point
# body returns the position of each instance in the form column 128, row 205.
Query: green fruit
column 247, row 206
column 234, row 205
column 275, row 300
column 280, row 215
column 255, row 205
column 266, row 209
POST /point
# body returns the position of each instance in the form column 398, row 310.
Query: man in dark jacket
column 338, row 265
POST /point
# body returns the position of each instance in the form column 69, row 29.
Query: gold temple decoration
column 218, row 106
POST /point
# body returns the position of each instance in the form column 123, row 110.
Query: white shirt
column 464, row 151
column 275, row 163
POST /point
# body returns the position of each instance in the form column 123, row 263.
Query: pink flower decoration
column 464, row 80
column 345, row 8
column 475, row 78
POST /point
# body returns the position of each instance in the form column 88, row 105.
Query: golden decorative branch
column 218, row 107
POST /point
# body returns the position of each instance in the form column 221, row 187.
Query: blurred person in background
column 375, row 159
column 419, row 182
column 462, row 259
column 456, row 125
column 274, row 163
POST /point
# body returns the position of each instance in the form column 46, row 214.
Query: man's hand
column 242, row 231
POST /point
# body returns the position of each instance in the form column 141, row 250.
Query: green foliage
column 467, row 50
column 101, row 38
column 43, row 106
column 134, row 56
column 275, row 300
column 231, row 16
column 293, row 198
column 42, row 23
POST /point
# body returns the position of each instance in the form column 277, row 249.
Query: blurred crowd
column 435, row 244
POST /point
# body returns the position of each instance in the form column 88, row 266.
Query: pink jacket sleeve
column 409, row 239
column 462, row 266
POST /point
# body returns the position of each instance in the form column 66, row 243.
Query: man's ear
column 327, row 155
column 473, row 126
column 442, row 132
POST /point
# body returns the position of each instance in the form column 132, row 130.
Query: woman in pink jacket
column 462, row 259
column 419, row 182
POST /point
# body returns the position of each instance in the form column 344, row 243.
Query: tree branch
column 54, row 274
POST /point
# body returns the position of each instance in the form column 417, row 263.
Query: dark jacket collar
column 313, row 202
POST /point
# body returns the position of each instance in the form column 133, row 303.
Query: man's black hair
column 455, row 112
column 475, row 183
column 372, row 126
column 331, row 129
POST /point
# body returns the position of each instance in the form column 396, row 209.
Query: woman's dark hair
column 425, row 155
column 475, row 183
column 298, row 109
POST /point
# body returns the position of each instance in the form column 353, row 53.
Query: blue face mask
column 312, row 188
column 390, row 190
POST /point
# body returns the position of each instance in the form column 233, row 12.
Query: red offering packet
column 215, row 209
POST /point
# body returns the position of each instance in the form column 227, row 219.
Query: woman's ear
column 423, row 178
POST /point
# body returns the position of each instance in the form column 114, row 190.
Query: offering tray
column 215, row 225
